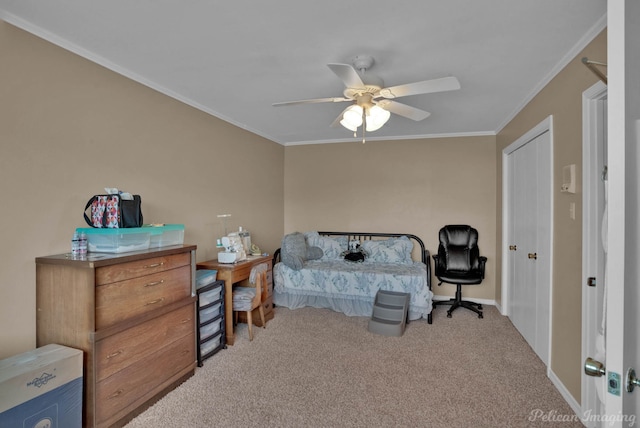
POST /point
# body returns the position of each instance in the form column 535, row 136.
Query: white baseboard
column 575, row 406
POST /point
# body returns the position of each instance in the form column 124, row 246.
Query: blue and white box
column 42, row 388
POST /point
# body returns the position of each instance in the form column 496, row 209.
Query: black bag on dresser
column 112, row 211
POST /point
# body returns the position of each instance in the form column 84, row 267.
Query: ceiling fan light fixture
column 376, row 118
column 352, row 118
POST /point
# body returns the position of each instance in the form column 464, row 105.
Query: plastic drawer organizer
column 132, row 238
column 211, row 331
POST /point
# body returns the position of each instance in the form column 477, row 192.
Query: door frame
column 623, row 273
column 545, row 125
column 591, row 142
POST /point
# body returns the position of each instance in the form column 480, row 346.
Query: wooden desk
column 232, row 273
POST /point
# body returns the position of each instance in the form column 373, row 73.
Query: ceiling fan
column 372, row 103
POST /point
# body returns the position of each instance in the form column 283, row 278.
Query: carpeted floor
column 318, row 368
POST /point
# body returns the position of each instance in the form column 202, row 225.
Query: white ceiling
column 233, row 59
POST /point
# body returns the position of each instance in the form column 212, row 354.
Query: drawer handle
column 151, row 284
column 116, row 394
column 153, row 302
column 153, row 265
column 115, row 354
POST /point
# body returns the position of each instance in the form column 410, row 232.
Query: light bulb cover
column 352, row 118
column 376, row 118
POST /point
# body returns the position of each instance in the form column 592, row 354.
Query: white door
column 523, row 240
column 623, row 265
column 528, row 179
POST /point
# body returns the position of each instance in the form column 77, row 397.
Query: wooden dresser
column 133, row 315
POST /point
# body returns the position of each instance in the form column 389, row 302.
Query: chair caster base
column 458, row 303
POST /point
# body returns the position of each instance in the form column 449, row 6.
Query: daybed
column 350, row 287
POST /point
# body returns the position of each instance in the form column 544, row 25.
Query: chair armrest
column 482, row 262
column 438, row 264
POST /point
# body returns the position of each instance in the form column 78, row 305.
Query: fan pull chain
column 364, row 124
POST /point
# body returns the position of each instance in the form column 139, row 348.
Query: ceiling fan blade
column 424, row 87
column 312, row 101
column 403, row 110
column 348, row 75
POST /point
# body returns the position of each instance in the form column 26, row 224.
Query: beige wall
column 69, row 127
column 562, row 98
column 409, row 186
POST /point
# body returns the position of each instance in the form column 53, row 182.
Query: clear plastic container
column 169, row 234
column 210, row 296
column 205, row 277
column 210, row 313
column 209, row 330
column 210, row 345
column 116, row 240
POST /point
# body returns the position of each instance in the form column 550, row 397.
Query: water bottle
column 82, row 244
column 75, row 245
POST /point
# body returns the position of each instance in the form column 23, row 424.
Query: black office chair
column 459, row 262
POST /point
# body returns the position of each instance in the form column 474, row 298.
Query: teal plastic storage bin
column 117, row 240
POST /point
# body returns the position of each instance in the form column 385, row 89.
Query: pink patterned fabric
column 105, row 207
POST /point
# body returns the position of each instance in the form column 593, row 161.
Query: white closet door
column 524, row 225
column 529, row 240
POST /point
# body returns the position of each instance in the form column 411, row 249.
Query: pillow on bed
column 314, row 253
column 392, row 250
column 294, row 251
column 332, row 248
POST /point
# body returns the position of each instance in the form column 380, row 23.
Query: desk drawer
column 267, row 307
column 138, row 343
column 125, row 271
column 122, row 392
column 125, row 299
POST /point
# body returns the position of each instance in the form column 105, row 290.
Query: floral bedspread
column 357, row 281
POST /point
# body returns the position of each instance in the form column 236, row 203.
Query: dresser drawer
column 125, row 271
column 138, row 343
column 122, row 392
column 121, row 300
